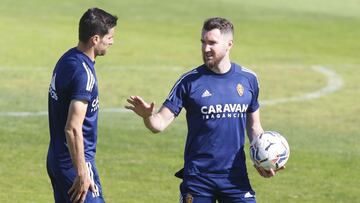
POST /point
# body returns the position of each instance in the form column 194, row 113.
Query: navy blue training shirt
column 73, row 78
column 216, row 107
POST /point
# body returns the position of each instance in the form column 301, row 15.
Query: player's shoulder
column 69, row 58
column 245, row 71
column 72, row 62
column 190, row 75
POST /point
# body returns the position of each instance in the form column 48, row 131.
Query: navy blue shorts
column 63, row 178
column 203, row 189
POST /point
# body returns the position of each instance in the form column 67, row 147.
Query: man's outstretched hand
column 140, row 107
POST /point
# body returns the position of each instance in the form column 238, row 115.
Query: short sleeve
column 82, row 82
column 254, row 105
column 177, row 97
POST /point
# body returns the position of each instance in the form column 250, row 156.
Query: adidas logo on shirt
column 206, row 93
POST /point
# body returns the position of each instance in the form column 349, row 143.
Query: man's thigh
column 62, row 180
column 197, row 189
column 201, row 189
column 234, row 190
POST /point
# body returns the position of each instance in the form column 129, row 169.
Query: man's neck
column 223, row 67
column 87, row 50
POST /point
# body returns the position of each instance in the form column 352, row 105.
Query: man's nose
column 206, row 48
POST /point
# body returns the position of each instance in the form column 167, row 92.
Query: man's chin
column 209, row 64
column 101, row 54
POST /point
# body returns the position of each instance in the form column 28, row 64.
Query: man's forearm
column 254, row 131
column 253, row 125
column 75, row 143
column 154, row 123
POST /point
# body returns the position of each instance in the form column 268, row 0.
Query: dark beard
column 102, row 53
column 214, row 62
column 210, row 64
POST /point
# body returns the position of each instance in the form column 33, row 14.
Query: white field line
column 334, row 83
column 45, row 113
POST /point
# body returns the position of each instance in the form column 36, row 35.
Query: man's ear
column 230, row 44
column 95, row 39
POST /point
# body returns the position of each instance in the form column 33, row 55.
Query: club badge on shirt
column 189, row 198
column 240, row 89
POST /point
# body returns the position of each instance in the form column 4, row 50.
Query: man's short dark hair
column 224, row 25
column 95, row 21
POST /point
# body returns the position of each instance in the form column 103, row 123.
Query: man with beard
column 221, row 102
column 73, row 106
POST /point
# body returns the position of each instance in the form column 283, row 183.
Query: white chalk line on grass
column 334, row 83
column 45, row 113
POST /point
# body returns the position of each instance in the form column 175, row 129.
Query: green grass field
column 157, row 41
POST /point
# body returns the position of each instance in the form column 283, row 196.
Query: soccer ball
column 269, row 150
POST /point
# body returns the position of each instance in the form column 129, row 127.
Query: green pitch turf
column 157, row 41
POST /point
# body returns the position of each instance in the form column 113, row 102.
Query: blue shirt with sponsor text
column 73, row 78
column 216, row 107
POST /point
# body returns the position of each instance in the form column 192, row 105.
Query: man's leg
column 235, row 190
column 196, row 189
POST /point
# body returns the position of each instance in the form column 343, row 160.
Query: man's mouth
column 209, row 56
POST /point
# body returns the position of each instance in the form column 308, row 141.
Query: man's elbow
column 70, row 130
column 154, row 128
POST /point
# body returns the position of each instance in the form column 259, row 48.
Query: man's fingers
column 75, row 196
column 281, row 168
column 140, row 100
column 92, row 187
column 260, row 171
column 83, row 196
column 152, row 105
column 271, row 172
column 130, row 108
column 268, row 173
column 131, row 101
column 72, row 193
column 257, row 168
column 71, row 189
column 265, row 173
column 136, row 100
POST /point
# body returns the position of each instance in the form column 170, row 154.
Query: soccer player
column 221, row 102
column 73, row 107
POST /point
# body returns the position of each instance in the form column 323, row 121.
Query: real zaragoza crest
column 189, row 198
column 240, row 89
